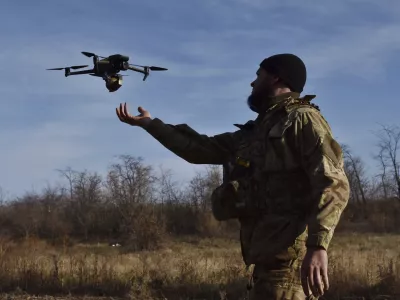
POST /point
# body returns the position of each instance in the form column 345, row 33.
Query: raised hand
column 141, row 120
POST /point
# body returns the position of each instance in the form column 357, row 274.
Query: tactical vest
column 243, row 193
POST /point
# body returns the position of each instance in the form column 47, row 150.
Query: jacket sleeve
column 322, row 159
column 193, row 147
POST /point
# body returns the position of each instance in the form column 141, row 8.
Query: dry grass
column 365, row 265
column 191, row 268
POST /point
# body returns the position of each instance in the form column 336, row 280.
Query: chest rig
column 240, row 195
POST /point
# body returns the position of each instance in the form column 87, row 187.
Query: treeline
column 139, row 207
column 375, row 200
column 132, row 205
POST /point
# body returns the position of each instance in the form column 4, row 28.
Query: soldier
column 283, row 180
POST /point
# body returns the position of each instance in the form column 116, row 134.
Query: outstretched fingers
column 119, row 114
column 126, row 112
column 122, row 113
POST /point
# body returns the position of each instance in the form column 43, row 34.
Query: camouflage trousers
column 280, row 281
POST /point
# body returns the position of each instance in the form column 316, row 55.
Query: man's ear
column 272, row 77
column 282, row 83
column 275, row 80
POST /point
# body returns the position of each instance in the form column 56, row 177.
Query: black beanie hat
column 289, row 68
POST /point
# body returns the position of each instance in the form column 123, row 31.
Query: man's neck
column 280, row 91
column 273, row 102
column 279, row 97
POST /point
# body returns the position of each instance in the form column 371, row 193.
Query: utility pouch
column 226, row 202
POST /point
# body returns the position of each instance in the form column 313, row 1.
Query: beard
column 253, row 102
column 258, row 101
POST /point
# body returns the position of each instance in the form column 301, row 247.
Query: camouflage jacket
column 298, row 177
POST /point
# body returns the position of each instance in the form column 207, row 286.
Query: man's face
column 263, row 87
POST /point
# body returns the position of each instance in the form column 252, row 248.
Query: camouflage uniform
column 289, row 193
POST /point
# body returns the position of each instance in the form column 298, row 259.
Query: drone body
column 108, row 68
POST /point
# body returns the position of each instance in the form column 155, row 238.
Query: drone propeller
column 152, row 68
column 72, row 67
column 89, row 54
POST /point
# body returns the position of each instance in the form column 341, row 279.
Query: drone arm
column 145, row 71
column 82, row 72
column 137, row 70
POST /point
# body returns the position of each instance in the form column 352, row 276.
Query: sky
column 212, row 50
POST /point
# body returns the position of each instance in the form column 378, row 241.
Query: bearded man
column 284, row 180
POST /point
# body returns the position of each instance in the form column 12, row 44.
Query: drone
column 108, row 68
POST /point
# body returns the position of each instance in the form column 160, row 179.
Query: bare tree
column 197, row 190
column 389, row 139
column 356, row 173
column 130, row 186
column 53, row 206
column 384, row 178
column 26, row 214
column 352, row 181
column 85, row 195
column 202, row 185
column 213, row 180
column 169, row 191
column 374, row 190
column 68, row 173
column 130, row 181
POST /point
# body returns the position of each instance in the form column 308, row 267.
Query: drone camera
column 113, row 83
column 119, row 62
column 120, row 65
column 124, row 65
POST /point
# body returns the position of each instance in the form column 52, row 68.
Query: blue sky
column 212, row 50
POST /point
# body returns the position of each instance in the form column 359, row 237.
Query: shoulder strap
column 277, row 115
column 304, row 101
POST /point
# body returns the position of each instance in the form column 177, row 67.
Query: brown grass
column 189, row 268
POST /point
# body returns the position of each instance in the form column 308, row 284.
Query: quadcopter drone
column 108, row 68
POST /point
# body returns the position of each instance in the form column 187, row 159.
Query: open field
column 364, row 265
column 172, row 248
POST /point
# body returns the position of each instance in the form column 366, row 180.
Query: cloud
column 360, row 45
column 360, row 52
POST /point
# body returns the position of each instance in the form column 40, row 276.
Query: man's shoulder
column 303, row 109
column 301, row 115
column 302, row 105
